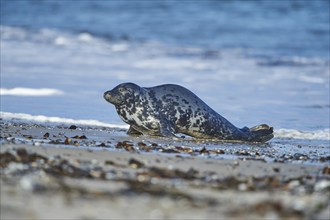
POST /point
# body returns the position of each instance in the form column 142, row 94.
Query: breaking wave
column 20, row 91
column 305, row 135
column 47, row 119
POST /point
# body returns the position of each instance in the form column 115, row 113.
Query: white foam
column 20, row 91
column 312, row 79
column 305, row 135
column 47, row 119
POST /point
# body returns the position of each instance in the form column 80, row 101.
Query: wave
column 21, row 91
column 83, row 39
column 279, row 133
column 60, row 38
column 47, row 119
column 305, row 135
column 292, row 61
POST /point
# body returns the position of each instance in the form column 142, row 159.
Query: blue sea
column 252, row 61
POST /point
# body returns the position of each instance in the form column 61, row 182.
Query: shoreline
column 50, row 172
column 285, row 133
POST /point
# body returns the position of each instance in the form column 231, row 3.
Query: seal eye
column 121, row 89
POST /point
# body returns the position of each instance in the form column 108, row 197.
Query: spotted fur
column 169, row 109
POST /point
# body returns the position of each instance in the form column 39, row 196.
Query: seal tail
column 261, row 133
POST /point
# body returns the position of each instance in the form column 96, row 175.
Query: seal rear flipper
column 261, row 133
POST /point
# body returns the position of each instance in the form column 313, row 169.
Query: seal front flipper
column 165, row 130
column 261, row 133
column 132, row 131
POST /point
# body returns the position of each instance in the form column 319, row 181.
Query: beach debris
column 168, row 150
column 27, row 136
column 20, row 155
column 203, row 150
column 144, row 146
column 323, row 185
column 128, row 146
column 243, row 152
column 46, row 135
column 218, row 151
column 184, row 149
column 326, row 170
column 67, row 141
column 170, row 173
column 82, row 137
column 136, row 164
column 299, row 156
column 57, row 141
column 325, row 159
column 6, row 158
column 141, row 144
column 109, row 162
column 273, row 209
column 73, row 127
column 159, row 190
column 276, row 169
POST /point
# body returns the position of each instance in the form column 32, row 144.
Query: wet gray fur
column 169, row 109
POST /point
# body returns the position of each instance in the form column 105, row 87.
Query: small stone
column 67, row 141
column 141, row 144
column 46, row 135
column 109, row 162
column 326, row 170
column 276, row 169
column 135, row 163
column 293, row 184
column 242, row 187
column 203, row 150
column 322, row 185
column 102, row 145
column 36, row 143
column 73, row 127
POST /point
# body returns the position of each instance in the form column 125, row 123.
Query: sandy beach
column 80, row 172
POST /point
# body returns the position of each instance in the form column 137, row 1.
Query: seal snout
column 107, row 95
column 112, row 97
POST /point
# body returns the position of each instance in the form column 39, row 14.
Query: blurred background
column 252, row 61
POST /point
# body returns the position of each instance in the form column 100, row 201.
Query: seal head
column 122, row 94
column 133, row 107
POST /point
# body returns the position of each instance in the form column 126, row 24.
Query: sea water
column 252, row 61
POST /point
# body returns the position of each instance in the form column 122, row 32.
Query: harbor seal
column 166, row 110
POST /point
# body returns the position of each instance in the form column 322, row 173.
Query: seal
column 166, row 110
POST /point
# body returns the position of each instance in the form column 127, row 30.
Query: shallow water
column 252, row 62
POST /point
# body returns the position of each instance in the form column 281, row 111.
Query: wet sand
column 74, row 172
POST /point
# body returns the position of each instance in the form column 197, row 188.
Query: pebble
column 322, row 185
